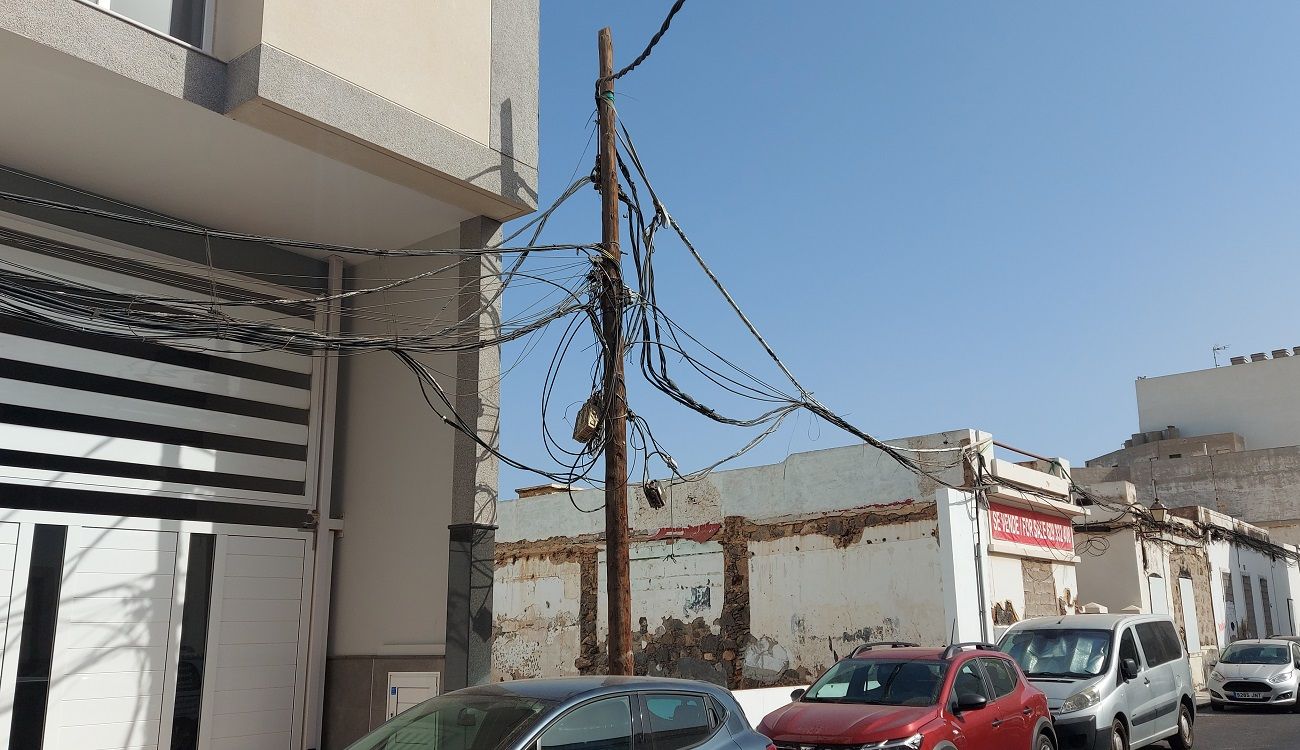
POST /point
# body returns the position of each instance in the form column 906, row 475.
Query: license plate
column 1248, row 696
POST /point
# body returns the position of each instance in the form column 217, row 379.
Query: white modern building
column 204, row 546
column 765, row 576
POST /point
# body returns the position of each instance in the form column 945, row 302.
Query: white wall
column 814, row 482
column 393, row 482
column 1283, row 584
column 836, row 547
column 812, row 602
column 1256, row 400
column 959, row 577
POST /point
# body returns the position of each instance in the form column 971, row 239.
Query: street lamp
column 1159, row 513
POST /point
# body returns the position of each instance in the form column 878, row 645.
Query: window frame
column 956, row 672
column 1162, row 651
column 1008, row 665
column 205, row 44
column 535, row 743
column 642, row 733
column 1130, row 631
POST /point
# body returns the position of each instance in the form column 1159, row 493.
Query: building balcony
column 377, row 124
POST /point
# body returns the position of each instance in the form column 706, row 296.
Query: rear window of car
column 1159, row 642
column 677, row 720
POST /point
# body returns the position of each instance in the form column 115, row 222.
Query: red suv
column 896, row 696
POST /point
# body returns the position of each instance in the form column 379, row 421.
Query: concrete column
column 964, row 568
column 474, row 472
column 469, row 605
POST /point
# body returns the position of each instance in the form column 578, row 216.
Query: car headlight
column 1280, row 677
column 1217, row 676
column 906, row 743
column 1081, row 700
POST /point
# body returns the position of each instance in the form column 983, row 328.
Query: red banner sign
column 1031, row 528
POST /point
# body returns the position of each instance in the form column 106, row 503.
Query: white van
column 1113, row 682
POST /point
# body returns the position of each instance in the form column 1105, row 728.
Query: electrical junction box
column 587, row 423
column 407, row 689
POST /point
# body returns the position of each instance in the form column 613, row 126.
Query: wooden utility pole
column 618, row 589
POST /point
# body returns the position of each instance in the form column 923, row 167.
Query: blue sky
column 945, row 215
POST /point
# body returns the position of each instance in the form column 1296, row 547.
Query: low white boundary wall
column 760, row 702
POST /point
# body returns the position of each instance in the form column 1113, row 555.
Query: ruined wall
column 1194, row 563
column 543, row 594
column 741, row 603
column 814, row 597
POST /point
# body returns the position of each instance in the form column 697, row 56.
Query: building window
column 181, row 19
column 1175, row 455
column 36, row 646
column 194, row 643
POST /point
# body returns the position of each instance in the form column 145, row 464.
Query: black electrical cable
column 654, row 40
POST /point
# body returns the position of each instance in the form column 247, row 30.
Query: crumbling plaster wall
column 775, row 570
column 540, row 636
column 814, row 600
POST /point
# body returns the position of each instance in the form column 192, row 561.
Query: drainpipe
column 979, row 498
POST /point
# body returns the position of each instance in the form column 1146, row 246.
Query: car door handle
column 996, row 723
column 1026, row 711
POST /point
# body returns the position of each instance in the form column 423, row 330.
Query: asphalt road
column 1246, row 729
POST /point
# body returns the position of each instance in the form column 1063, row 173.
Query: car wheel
column 1118, row 741
column 1216, row 706
column 1045, row 743
column 1183, row 740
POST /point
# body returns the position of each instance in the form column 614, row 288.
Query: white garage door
column 110, row 644
column 253, row 647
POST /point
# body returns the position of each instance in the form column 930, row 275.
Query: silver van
column 1113, row 682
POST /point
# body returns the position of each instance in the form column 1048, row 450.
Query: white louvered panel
column 8, row 553
column 58, row 398
column 147, row 371
column 124, row 684
column 83, row 445
column 107, row 687
column 151, row 461
column 98, row 482
column 254, row 650
column 79, row 273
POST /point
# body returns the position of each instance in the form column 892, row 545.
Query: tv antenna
column 1215, row 351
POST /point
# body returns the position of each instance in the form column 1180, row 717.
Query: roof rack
column 881, row 644
column 957, row 648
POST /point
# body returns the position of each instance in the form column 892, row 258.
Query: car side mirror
column 796, row 694
column 971, row 702
column 1129, row 669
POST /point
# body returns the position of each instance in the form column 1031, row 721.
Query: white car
column 1257, row 672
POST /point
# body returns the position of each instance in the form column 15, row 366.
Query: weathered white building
column 1219, row 578
column 767, row 575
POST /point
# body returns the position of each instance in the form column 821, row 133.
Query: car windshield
column 1255, row 653
column 880, row 682
column 1059, row 652
column 456, row 721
